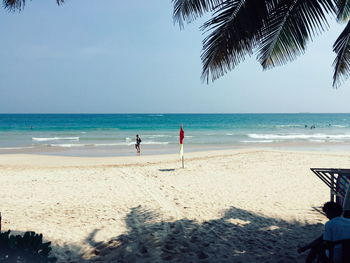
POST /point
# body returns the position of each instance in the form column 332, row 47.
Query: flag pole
column 183, row 162
column 182, row 155
column 182, row 136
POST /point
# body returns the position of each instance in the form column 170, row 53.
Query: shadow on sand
column 239, row 236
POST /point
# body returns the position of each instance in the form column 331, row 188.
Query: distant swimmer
column 137, row 144
column 313, row 127
column 305, row 126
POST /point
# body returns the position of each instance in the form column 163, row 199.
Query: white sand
column 225, row 206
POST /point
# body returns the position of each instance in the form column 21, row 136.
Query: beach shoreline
column 124, row 151
column 250, row 205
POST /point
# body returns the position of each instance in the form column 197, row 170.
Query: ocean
column 114, row 134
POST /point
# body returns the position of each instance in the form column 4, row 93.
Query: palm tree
column 277, row 31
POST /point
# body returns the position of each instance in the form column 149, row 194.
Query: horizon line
column 169, row 113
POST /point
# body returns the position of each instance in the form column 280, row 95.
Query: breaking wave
column 71, row 145
column 257, row 141
column 55, row 139
column 318, row 136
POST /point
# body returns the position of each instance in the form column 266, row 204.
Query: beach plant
column 27, row 248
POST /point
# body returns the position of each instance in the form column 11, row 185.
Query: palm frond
column 343, row 10
column 342, row 61
column 13, row 5
column 234, row 29
column 185, row 11
column 289, row 27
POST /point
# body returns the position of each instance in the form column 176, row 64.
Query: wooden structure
column 338, row 180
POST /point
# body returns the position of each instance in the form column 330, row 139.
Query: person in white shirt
column 337, row 228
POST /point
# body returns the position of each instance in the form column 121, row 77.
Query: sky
column 90, row 56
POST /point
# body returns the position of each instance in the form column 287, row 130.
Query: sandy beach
column 225, row 206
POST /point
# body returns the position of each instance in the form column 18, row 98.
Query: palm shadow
column 238, row 236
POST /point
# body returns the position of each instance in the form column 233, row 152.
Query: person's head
column 332, row 209
column 137, row 135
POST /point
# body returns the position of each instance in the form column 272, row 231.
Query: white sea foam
column 68, row 145
column 16, row 148
column 289, row 126
column 317, row 140
column 71, row 145
column 156, row 115
column 157, row 136
column 299, row 136
column 155, row 143
column 229, row 134
column 339, row 126
column 56, row 139
column 112, row 144
column 258, row 141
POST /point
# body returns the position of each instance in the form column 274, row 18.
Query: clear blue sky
column 90, row 56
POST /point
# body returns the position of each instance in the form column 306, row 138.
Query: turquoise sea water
column 117, row 131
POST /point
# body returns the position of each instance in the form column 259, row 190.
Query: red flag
column 182, row 135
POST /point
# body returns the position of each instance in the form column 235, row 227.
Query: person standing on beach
column 137, row 144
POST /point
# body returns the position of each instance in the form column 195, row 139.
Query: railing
column 338, row 180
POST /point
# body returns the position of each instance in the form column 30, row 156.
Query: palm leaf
column 343, row 12
column 289, row 27
column 342, row 61
column 13, row 5
column 185, row 11
column 234, row 29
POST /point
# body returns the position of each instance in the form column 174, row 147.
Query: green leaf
column 185, row 11
column 342, row 61
column 343, row 12
column 290, row 25
column 234, row 33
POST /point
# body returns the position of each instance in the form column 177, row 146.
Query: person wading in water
column 138, row 142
